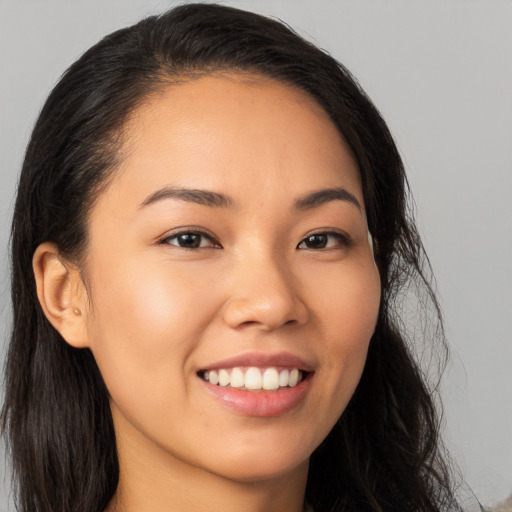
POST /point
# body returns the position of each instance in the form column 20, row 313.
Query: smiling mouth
column 254, row 378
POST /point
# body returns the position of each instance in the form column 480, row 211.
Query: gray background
column 441, row 74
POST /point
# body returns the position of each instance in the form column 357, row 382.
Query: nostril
column 268, row 310
column 248, row 322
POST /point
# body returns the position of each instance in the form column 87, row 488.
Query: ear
column 62, row 294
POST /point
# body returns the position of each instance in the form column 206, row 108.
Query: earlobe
column 61, row 293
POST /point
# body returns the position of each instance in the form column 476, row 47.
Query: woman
column 216, row 219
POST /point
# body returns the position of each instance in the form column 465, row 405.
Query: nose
column 265, row 295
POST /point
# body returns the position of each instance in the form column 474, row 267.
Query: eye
column 191, row 240
column 327, row 240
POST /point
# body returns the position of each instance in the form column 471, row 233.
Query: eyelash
column 342, row 240
column 195, row 232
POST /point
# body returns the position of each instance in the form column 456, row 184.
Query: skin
column 154, row 313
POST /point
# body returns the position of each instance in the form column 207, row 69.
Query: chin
column 261, row 471
column 259, row 465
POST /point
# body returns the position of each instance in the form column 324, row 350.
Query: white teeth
column 223, row 378
column 254, row 378
column 237, row 378
column 294, row 378
column 270, row 379
column 214, row 377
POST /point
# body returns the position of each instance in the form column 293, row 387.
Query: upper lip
column 263, row 360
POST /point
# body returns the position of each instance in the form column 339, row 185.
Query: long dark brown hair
column 384, row 453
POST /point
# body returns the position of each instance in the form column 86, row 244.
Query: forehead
column 234, row 132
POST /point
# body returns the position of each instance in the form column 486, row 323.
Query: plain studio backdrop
column 440, row 71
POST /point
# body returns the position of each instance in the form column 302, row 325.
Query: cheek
column 348, row 311
column 151, row 305
column 346, row 300
column 145, row 323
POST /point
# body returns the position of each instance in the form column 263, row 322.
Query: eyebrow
column 203, row 197
column 217, row 200
column 326, row 195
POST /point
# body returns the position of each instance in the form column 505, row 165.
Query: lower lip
column 260, row 403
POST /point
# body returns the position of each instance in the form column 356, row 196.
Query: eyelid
column 193, row 231
column 344, row 239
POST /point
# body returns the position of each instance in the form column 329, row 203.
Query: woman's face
column 232, row 244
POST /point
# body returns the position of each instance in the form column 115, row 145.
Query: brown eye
column 318, row 241
column 190, row 240
column 315, row 241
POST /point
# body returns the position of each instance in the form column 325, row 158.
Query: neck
column 151, row 479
